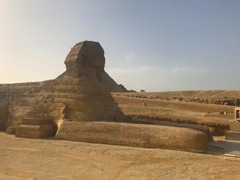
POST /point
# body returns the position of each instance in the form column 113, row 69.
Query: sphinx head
column 85, row 60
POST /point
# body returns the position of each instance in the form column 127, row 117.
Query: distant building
column 237, row 114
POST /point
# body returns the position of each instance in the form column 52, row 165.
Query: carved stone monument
column 78, row 106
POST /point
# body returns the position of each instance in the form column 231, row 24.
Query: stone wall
column 3, row 107
column 3, row 116
column 16, row 100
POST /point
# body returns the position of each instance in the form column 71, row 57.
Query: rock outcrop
column 78, row 106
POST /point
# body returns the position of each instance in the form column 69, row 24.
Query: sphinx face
column 86, row 60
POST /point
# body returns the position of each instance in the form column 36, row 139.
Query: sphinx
column 78, row 106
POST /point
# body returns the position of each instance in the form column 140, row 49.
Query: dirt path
column 53, row 159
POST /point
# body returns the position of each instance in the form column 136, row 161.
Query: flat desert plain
column 22, row 158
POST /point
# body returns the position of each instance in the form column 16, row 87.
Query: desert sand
column 145, row 109
column 23, row 158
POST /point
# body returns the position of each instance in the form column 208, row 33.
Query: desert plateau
column 23, row 158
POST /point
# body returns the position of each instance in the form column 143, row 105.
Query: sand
column 22, row 158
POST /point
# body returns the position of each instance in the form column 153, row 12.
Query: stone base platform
column 233, row 135
column 35, row 131
column 36, row 128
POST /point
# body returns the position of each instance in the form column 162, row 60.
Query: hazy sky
column 156, row 45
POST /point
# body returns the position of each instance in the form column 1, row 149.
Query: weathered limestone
column 36, row 126
column 4, row 103
column 72, row 106
column 139, row 135
column 35, row 131
column 86, row 61
column 113, row 86
column 3, row 115
column 83, row 79
column 13, row 104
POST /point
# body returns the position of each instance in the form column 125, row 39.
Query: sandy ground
column 187, row 94
column 216, row 117
column 22, row 158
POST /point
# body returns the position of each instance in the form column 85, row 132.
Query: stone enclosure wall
column 10, row 108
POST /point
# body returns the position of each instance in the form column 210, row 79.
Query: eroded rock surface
column 138, row 135
column 113, row 86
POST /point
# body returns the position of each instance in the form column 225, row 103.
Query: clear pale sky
column 156, row 45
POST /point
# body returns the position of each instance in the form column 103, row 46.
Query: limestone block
column 35, row 131
column 235, row 126
column 11, row 130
